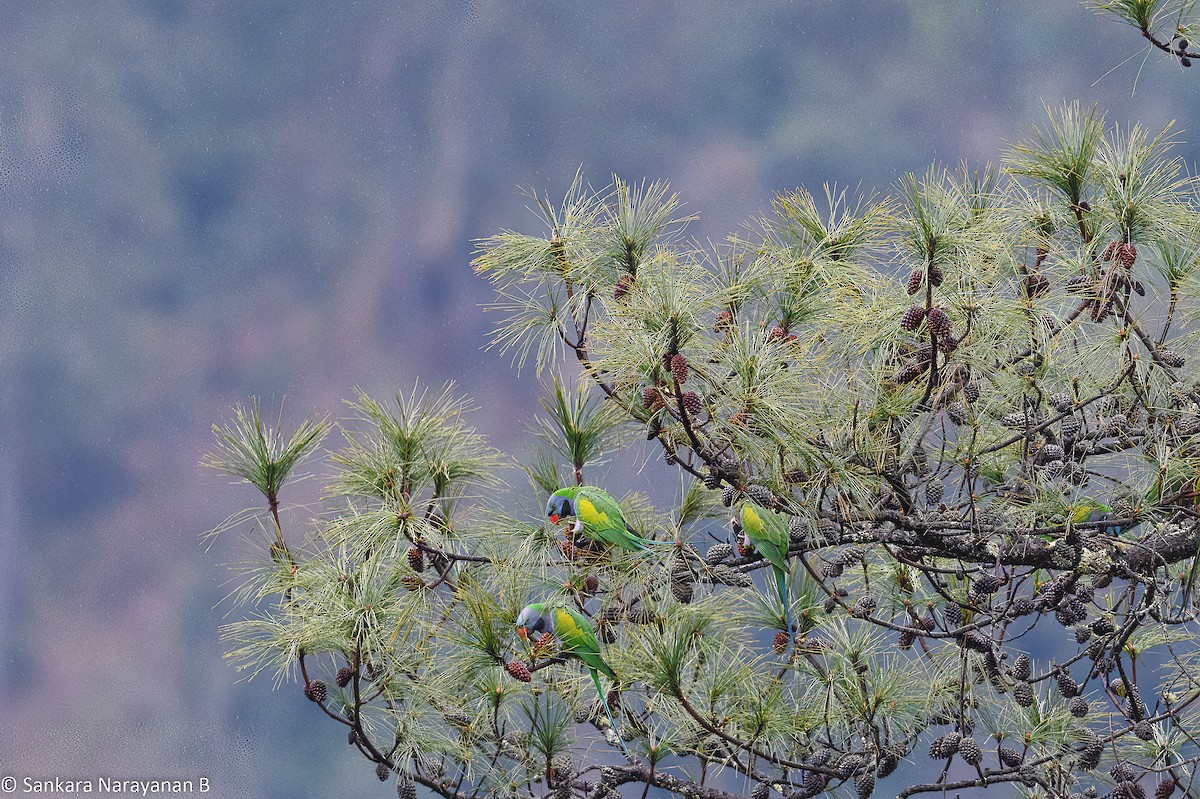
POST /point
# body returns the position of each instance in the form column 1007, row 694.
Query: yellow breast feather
column 586, row 511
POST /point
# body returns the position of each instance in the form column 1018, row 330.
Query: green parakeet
column 1087, row 511
column 575, row 637
column 598, row 516
column 766, row 531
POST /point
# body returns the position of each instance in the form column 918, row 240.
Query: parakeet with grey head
column 597, row 516
column 766, row 531
column 576, row 638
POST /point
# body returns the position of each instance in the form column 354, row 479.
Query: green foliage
column 262, row 455
column 966, row 412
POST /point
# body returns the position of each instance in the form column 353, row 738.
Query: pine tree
column 922, row 546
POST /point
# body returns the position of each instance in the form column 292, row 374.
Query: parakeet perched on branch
column 766, row 531
column 1088, row 511
column 598, row 516
column 576, row 638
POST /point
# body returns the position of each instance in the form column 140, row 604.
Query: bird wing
column 577, row 638
column 601, row 517
column 767, row 533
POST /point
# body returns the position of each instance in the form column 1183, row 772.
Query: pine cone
column 820, row 757
column 679, row 368
column 727, row 496
column 712, row 479
column 912, row 318
column 1066, row 683
column 936, row 275
column 957, row 412
column 864, row 606
column 731, row 576
column 915, row 278
column 1127, row 254
column 382, row 772
column 518, row 670
column 986, row 585
column 682, row 591
column 416, row 559
column 971, row 391
column 797, row 533
column 761, row 790
column 1016, row 420
column 1022, row 606
column 623, row 286
column 431, row 764
column 1078, row 707
column 1110, row 250
column 864, row 783
column 1171, row 358
column 831, row 569
column 760, row 495
column 406, row 788
column 1009, row 757
column 412, row 582
column 692, row 403
column 970, row 751
column 1062, row 401
column 1070, row 426
column 652, row 398
column 1144, row 730
column 1187, row 425
column 1079, row 284
column 718, row 553
column 1022, row 667
column 889, row 759
column 316, row 691
column 934, row 490
column 1122, row 772
column 344, row 675
column 1050, row 452
column 1023, row 694
column 939, row 322
column 1090, row 758
column 781, row 642
column 456, row 718
column 1165, row 789
column 910, row 372
column 906, row 639
column 722, row 322
column 1035, row 285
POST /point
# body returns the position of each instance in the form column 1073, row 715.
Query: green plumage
column 576, row 638
column 767, row 532
column 598, row 516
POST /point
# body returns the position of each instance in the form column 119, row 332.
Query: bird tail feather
column 608, row 711
column 781, row 581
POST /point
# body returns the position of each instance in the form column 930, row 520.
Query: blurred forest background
column 201, row 201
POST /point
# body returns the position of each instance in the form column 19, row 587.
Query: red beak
column 524, row 633
column 554, row 518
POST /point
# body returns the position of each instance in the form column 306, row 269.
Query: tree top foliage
column 959, row 416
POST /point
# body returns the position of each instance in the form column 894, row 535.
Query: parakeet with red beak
column 597, row 516
column 766, row 532
column 576, row 639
